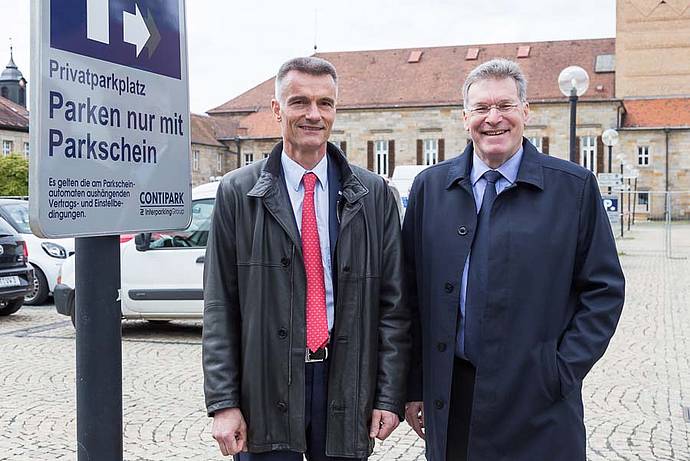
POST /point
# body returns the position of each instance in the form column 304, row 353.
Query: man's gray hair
column 497, row 69
column 309, row 65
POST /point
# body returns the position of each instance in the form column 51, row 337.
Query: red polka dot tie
column 317, row 321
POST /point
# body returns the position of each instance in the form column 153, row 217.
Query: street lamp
column 573, row 81
column 621, row 159
column 610, row 138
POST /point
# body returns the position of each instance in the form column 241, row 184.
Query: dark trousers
column 316, row 398
column 460, row 410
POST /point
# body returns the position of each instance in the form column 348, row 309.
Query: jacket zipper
column 292, row 309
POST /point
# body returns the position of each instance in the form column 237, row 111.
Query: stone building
column 14, row 118
column 404, row 106
column 14, row 128
column 209, row 158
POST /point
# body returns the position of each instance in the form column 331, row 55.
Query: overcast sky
column 234, row 46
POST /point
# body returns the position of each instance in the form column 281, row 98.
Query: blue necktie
column 477, row 277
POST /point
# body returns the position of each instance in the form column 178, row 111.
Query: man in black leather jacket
column 271, row 396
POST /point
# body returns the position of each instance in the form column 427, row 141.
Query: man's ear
column 525, row 111
column 466, row 120
column 275, row 108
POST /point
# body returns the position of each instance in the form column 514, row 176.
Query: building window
column 643, row 201
column 6, row 148
column 588, row 153
column 536, row 142
column 4, row 92
column 248, row 158
column 643, row 155
column 219, row 162
column 430, row 151
column 26, row 149
column 381, row 156
column 195, row 160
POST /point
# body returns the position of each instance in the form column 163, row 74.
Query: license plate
column 11, row 281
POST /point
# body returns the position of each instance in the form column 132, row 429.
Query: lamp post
column 609, row 138
column 573, row 81
column 621, row 159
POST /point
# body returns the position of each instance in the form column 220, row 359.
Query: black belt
column 319, row 355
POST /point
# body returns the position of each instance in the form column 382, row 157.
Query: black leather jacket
column 254, row 314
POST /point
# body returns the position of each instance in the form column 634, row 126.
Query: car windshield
column 19, row 216
column 196, row 235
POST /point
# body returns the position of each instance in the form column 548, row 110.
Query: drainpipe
column 666, row 132
column 238, row 142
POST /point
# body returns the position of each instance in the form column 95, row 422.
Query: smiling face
column 306, row 112
column 496, row 135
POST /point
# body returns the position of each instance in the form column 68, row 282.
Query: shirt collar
column 293, row 172
column 508, row 170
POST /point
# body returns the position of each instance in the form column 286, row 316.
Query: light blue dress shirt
column 509, row 171
column 293, row 172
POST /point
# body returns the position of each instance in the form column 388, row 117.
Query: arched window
column 4, row 91
column 22, row 96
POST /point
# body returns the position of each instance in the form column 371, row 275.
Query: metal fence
column 654, row 222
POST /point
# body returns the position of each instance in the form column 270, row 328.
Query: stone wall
column 18, row 138
column 652, row 53
column 207, row 166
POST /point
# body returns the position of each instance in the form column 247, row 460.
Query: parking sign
column 110, row 117
column 611, row 206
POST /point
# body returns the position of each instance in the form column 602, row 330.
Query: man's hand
column 382, row 424
column 414, row 415
column 230, row 431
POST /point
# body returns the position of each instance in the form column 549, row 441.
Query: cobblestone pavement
column 634, row 397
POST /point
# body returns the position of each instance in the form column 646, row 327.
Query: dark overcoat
column 254, row 332
column 555, row 295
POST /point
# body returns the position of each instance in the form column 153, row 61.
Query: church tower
column 12, row 83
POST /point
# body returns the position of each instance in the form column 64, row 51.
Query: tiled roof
column 204, row 130
column 13, row 116
column 395, row 78
column 656, row 113
column 259, row 125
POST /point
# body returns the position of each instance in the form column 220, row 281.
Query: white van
column 161, row 272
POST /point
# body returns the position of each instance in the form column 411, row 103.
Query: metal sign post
column 110, row 138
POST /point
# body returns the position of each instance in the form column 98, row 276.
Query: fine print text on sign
column 112, row 124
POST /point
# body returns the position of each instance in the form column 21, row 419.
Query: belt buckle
column 318, row 355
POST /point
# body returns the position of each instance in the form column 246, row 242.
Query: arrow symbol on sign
column 155, row 39
column 135, row 30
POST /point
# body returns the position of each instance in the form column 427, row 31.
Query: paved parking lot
column 634, row 398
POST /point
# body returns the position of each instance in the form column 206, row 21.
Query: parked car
column 161, row 272
column 403, row 176
column 16, row 276
column 46, row 255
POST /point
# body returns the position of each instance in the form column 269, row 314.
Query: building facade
column 404, row 106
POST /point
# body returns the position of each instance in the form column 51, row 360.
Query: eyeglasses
column 484, row 109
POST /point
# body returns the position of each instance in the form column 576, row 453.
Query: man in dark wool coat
column 512, row 273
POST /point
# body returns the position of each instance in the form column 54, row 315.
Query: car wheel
column 39, row 293
column 10, row 306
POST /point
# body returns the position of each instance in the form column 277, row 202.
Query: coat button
column 282, row 406
column 285, row 262
column 448, row 287
column 462, row 230
column 282, row 333
column 346, row 268
column 438, row 404
column 441, row 347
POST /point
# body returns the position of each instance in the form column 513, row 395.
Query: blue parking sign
column 143, row 34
